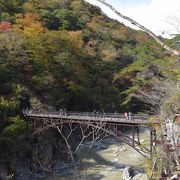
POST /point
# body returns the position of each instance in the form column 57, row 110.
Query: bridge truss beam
column 116, row 129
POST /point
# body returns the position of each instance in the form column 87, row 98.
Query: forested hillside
column 68, row 54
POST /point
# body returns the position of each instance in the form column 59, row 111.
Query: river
column 105, row 161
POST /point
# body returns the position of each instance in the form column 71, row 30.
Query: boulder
column 140, row 176
column 127, row 173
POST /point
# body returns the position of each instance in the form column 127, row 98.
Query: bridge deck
column 79, row 116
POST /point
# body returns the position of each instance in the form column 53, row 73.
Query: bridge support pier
column 122, row 130
column 116, row 129
column 138, row 135
column 133, row 130
column 34, row 125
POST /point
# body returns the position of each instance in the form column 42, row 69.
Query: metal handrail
column 34, row 111
column 87, row 116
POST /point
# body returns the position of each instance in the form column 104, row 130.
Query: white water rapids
column 106, row 161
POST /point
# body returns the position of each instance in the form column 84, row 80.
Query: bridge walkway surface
column 88, row 116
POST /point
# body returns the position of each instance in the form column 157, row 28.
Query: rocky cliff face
column 35, row 156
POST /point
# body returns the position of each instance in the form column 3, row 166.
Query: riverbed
column 106, row 160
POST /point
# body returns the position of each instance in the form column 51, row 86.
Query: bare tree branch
column 154, row 164
column 169, row 49
column 175, row 23
column 67, row 143
column 163, row 99
column 89, row 130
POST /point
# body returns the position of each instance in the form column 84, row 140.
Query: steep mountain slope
column 68, row 54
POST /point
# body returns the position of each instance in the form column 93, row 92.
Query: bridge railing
column 37, row 111
column 114, row 117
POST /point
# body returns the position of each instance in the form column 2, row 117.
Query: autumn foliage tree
column 5, row 26
column 68, row 54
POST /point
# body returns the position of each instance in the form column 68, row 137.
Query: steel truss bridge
column 111, row 123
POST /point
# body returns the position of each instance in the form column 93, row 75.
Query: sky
column 156, row 15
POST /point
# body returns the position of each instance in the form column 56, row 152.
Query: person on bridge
column 94, row 112
column 64, row 112
column 102, row 114
column 97, row 114
column 126, row 115
column 60, row 112
column 129, row 115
